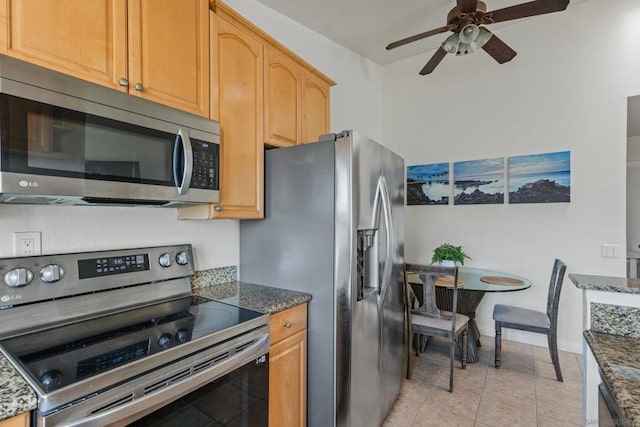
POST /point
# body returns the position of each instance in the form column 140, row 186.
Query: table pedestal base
column 468, row 302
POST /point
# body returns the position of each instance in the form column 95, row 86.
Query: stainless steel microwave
column 67, row 141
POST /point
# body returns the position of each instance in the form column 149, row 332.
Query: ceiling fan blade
column 532, row 8
column 467, row 6
column 499, row 50
column 433, row 62
column 418, row 37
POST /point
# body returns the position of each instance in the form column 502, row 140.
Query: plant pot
column 447, row 263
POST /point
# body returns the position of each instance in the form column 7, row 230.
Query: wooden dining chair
column 523, row 319
column 427, row 319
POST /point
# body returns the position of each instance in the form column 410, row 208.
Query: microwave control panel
column 205, row 165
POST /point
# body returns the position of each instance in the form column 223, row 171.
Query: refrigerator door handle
column 387, row 269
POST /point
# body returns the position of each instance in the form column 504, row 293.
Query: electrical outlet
column 610, row 251
column 27, row 243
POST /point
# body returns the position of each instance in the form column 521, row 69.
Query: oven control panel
column 108, row 266
column 46, row 277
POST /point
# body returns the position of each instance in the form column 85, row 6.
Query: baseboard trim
column 531, row 338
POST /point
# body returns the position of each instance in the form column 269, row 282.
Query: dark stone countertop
column 606, row 283
column 255, row 297
column 619, row 360
column 16, row 396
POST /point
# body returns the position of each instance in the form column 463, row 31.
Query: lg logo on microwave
column 25, row 183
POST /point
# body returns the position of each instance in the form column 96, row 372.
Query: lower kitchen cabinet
column 21, row 420
column 288, row 368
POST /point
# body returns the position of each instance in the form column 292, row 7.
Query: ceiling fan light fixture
column 450, row 45
column 470, row 39
column 469, row 34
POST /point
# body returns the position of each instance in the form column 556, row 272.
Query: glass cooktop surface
column 66, row 354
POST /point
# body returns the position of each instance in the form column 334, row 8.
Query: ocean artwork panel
column 428, row 184
column 478, row 182
column 540, row 178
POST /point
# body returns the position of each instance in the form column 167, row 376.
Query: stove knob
column 182, row 336
column 18, row 277
column 165, row 341
column 51, row 380
column 51, row 273
column 182, row 258
column 164, row 260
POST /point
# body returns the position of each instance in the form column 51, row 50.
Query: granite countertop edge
column 606, row 283
column 621, row 373
column 265, row 299
column 18, row 397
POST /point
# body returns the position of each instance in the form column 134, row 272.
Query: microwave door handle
column 182, row 178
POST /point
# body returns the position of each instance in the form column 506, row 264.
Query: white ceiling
column 367, row 26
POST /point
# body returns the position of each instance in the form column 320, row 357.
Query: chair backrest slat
column 555, row 287
column 429, row 274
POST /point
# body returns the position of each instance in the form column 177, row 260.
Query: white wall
column 87, row 228
column 566, row 89
column 356, row 102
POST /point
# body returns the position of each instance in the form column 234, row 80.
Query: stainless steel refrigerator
column 334, row 227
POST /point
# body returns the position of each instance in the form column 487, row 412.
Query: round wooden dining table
column 473, row 283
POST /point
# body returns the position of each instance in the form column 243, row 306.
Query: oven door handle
column 139, row 407
column 182, row 148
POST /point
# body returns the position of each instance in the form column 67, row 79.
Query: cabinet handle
column 218, row 208
column 123, row 82
column 139, row 87
column 287, row 325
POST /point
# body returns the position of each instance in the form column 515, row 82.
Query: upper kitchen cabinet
column 263, row 95
column 283, row 99
column 169, row 52
column 238, row 75
column 154, row 49
column 315, row 107
column 295, row 94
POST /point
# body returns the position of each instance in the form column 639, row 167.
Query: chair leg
column 553, row 351
column 498, row 344
column 452, row 352
column 409, row 345
column 465, row 348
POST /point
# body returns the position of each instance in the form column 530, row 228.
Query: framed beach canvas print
column 540, row 178
column 428, row 184
column 478, row 182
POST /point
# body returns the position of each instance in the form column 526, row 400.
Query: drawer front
column 286, row 323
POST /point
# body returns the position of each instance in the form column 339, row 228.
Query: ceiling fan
column 465, row 20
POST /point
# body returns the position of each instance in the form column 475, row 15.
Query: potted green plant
column 448, row 255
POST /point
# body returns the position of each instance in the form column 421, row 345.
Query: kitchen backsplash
column 214, row 276
column 615, row 319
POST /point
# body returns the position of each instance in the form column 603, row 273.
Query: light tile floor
column 522, row 392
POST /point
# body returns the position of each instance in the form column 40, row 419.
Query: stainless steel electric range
column 116, row 337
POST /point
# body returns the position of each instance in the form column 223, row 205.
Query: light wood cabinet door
column 83, row 38
column 169, row 52
column 238, row 71
column 21, row 420
column 315, row 107
column 282, row 99
column 288, row 368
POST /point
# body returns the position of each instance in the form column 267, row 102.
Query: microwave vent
column 33, row 200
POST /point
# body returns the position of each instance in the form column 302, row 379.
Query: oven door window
column 239, row 398
column 42, row 139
